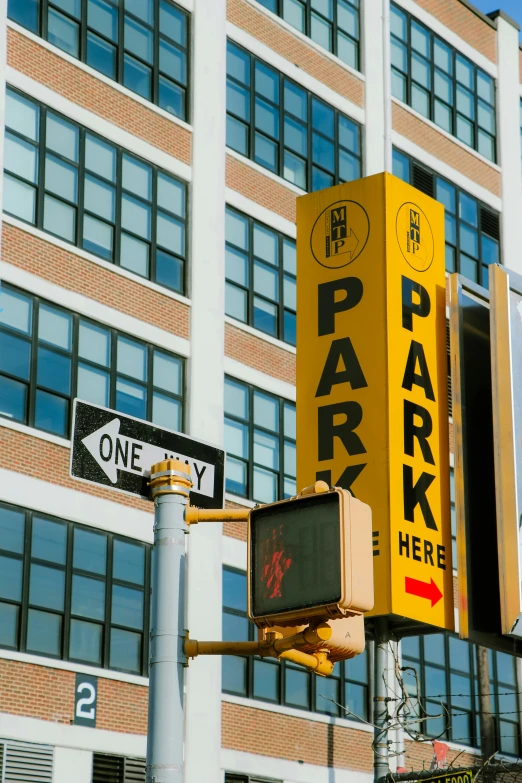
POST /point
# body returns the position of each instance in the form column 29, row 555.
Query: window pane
column 88, row 597
column 90, row 551
column 297, row 687
column 125, row 650
column 22, row 115
column 420, row 100
column 327, row 695
column 137, row 177
column 51, row 413
column 85, row 642
column 266, row 680
column 266, row 411
column 54, row 371
column 322, row 118
column 357, row 699
column 169, row 271
column 490, row 254
column 321, row 32
column 236, row 399
column 234, row 674
column 349, row 167
column 59, row 219
column 296, row 101
column 100, row 198
column 266, row 82
column 12, row 399
column 235, row 302
column 129, row 562
column 100, row 157
column 266, row 450
column 134, row 255
column 289, row 256
column 12, row 529
column 468, row 240
column 236, row 438
column 172, row 23
column 442, row 55
column 399, row 55
column 464, row 72
column 135, row 216
column 171, row 195
column 485, row 87
column 172, row 62
column 459, row 654
column 127, row 606
column 401, row 166
column 420, row 39
column 138, row 40
column 434, row 650
column 15, row 356
column 294, row 170
column 19, row 199
column 16, row 310
column 49, row 540
column 237, row 135
column 236, row 266
column 266, row 281
column 398, row 22
column 47, row 587
column 98, row 237
column 103, row 17
column 131, row 398
column 294, row 14
column 21, row 157
column 235, row 628
column 265, row 316
column 234, row 590
column 136, row 77
column 25, row 12
column 11, row 578
column 265, row 486
column 132, row 358
column 8, row 625
column 236, row 476
column 170, row 233
column 289, row 293
column 468, row 209
column 166, row 411
column 62, row 32
column 289, row 421
column 238, row 63
column 44, row 632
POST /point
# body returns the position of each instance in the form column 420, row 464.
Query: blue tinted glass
column 322, row 118
column 238, row 64
column 400, row 165
column 468, row 209
column 233, row 674
column 237, row 136
column 125, row 650
column 131, row 398
column 434, row 648
column 445, row 193
column 489, row 250
column 357, row 668
column 266, row 680
column 235, row 628
column 62, row 32
column 236, row 477
column 103, row 17
column 296, row 101
column 323, row 152
column 136, row 77
column 348, row 134
column 88, row 597
column 289, row 327
column 505, row 668
column 327, row 695
column 468, row 240
column 47, row 587
column 12, row 528
column 25, row 12
column 270, row 4
column 173, row 23
column 8, row 625
column 459, row 654
column 15, row 355
column 101, row 55
column 129, row 562
column 169, row 271
column 90, row 551
column 265, row 316
column 11, row 578
column 411, row 646
column 267, row 118
column 12, row 399
column 49, row 540
column 44, row 632
column 127, row 606
column 171, row 98
column 349, row 166
column 54, row 371
column 16, row 311
column 234, row 590
column 266, row 152
column 85, row 642
column 173, row 62
column 320, row 179
column 51, row 413
column 267, row 82
column 236, row 399
column 357, row 699
column 297, row 687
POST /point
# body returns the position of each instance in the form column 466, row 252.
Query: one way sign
column 116, row 450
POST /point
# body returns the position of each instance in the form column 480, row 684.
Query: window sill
column 260, row 335
column 447, row 135
column 77, row 251
column 239, row 500
column 97, row 75
column 34, row 433
column 54, row 663
column 265, row 172
column 309, row 41
column 293, row 712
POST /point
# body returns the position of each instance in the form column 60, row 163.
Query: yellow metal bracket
column 274, row 646
column 194, row 515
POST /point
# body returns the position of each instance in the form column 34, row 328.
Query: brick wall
column 87, row 91
column 468, row 25
column 296, row 739
column 49, row 462
column 415, row 129
column 74, row 273
column 289, row 46
column 419, row 756
column 251, row 183
column 36, row 691
column 260, row 354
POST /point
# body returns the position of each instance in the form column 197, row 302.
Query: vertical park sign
column 372, row 412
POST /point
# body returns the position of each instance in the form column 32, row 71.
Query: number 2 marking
column 85, row 701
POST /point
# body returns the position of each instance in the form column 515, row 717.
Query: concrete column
column 377, row 92
column 508, row 134
column 3, row 67
column 206, row 376
column 72, row 764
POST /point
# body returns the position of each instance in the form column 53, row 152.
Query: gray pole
column 170, row 489
column 381, row 720
column 488, row 743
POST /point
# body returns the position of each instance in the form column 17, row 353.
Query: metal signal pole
column 381, row 719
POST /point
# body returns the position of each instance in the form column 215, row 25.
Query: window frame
column 32, row 384
column 116, row 225
column 119, row 45
column 24, row 605
column 333, row 23
column 455, row 113
column 280, row 140
column 251, row 294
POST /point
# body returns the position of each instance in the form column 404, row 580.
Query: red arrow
column 423, row 589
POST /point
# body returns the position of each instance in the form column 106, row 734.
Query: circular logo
column 415, row 236
column 339, row 234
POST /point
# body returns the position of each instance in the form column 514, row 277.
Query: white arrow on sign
column 114, row 452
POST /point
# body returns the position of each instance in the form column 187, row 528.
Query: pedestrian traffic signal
column 347, row 639
column 310, row 557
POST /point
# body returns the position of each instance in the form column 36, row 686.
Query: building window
column 25, row 761
column 72, row 183
column 142, row 44
column 233, row 778
column 472, row 230
column 284, row 682
column 285, row 128
column 72, row 592
column 260, row 276
column 260, row 443
column 117, row 769
column 333, row 24
column 441, row 84
column 447, row 672
column 49, row 356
